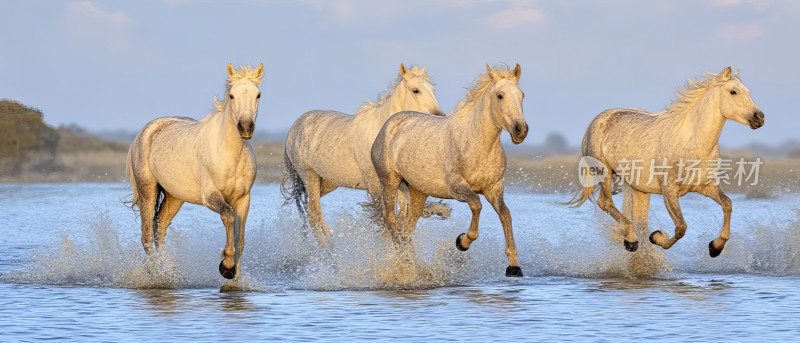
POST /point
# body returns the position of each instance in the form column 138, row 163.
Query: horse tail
column 134, row 202
column 292, row 187
column 580, row 197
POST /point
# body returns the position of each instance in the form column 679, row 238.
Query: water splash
column 552, row 241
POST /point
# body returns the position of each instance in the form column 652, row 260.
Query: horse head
column 505, row 102
column 735, row 102
column 414, row 92
column 243, row 97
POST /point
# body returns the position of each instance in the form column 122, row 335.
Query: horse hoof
column 631, row 246
column 652, row 240
column 513, row 271
column 227, row 273
column 713, row 252
column 458, row 242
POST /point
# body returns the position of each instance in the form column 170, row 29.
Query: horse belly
column 427, row 181
column 339, row 170
column 177, row 176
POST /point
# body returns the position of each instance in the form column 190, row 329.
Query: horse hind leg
column 168, row 209
column 316, row 220
column 325, row 188
column 606, row 204
column 147, row 199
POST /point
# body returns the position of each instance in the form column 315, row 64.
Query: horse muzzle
column 246, row 129
column 519, row 132
column 757, row 120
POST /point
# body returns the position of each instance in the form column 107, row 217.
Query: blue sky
column 114, row 64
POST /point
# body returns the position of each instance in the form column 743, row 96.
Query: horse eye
column 231, row 96
column 733, row 92
column 499, row 96
column 258, row 96
column 415, row 90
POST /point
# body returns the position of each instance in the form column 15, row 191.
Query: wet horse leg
column 148, row 192
column 461, row 192
column 313, row 184
column 215, row 201
column 606, row 204
column 168, row 211
column 416, row 205
column 389, row 186
column 636, row 206
column 674, row 208
column 494, row 196
column 241, row 207
column 715, row 193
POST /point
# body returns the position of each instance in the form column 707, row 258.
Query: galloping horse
column 453, row 157
column 687, row 133
column 209, row 162
column 327, row 149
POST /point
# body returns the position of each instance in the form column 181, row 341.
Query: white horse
column 453, row 157
column 327, row 149
column 175, row 160
column 664, row 145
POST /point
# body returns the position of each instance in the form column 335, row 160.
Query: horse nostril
column 518, row 128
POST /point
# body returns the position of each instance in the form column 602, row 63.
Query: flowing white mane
column 688, row 95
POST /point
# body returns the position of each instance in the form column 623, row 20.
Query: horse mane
column 687, row 96
column 479, row 86
column 415, row 72
column 242, row 73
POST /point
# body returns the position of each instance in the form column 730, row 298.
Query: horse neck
column 375, row 117
column 386, row 109
column 483, row 133
column 223, row 128
column 705, row 123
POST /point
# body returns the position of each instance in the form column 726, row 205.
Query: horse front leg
column 495, row 197
column 715, row 193
column 606, row 204
column 241, row 207
column 461, row 192
column 215, row 202
column 662, row 239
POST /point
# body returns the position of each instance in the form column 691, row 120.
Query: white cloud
column 86, row 24
column 740, row 33
column 726, row 2
column 516, row 17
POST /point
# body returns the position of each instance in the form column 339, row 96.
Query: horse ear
column 517, row 71
column 725, row 74
column 260, row 71
column 231, row 69
column 737, row 73
column 424, row 69
column 403, row 71
column 491, row 72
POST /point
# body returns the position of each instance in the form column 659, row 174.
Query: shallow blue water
column 73, row 268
